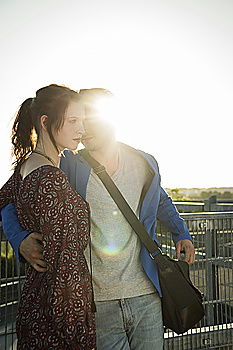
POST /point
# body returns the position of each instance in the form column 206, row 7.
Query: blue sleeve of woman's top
column 12, row 229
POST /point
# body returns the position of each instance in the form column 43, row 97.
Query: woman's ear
column 43, row 121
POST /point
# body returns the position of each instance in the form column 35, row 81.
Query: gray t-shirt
column 117, row 270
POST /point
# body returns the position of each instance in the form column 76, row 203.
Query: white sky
column 169, row 63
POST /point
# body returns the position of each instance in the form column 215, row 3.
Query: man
column 125, row 280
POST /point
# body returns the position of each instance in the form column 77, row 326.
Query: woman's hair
column 52, row 101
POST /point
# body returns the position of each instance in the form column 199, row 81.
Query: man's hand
column 31, row 249
column 188, row 248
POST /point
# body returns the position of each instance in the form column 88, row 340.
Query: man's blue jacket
column 155, row 204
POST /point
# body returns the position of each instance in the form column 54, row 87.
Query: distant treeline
column 179, row 194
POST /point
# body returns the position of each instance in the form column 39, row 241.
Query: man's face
column 98, row 132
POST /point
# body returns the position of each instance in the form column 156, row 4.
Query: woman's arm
column 7, row 194
column 26, row 245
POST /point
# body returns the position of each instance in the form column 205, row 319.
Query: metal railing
column 207, row 205
column 212, row 273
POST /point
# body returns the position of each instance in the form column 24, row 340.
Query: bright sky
column 169, row 63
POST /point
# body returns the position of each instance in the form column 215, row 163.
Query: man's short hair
column 91, row 97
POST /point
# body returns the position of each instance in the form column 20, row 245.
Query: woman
column 55, row 307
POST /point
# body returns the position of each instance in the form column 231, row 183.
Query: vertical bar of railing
column 12, row 299
column 2, row 323
column 210, row 274
column 217, row 241
column 6, row 295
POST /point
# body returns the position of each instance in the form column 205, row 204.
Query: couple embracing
column 89, row 283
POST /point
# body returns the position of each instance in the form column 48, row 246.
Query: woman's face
column 70, row 134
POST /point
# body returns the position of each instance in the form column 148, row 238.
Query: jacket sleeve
column 10, row 223
column 168, row 214
column 64, row 225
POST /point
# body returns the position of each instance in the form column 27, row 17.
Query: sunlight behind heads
column 117, row 111
column 106, row 108
column 100, row 103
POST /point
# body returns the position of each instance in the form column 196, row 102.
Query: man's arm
column 27, row 246
column 168, row 214
column 12, row 228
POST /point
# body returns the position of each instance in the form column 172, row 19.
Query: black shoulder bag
column 181, row 301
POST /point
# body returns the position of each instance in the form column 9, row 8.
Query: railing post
column 210, row 273
column 208, row 203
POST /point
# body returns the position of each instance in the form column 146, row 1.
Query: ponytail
column 22, row 132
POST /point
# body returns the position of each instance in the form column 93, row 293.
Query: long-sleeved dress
column 55, row 306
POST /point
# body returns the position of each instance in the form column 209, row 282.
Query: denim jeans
column 130, row 324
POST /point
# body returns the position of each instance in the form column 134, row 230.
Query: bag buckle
column 99, row 169
column 156, row 252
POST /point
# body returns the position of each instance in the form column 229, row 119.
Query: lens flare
column 109, row 244
column 106, row 109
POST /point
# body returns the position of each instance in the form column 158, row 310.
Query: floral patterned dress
column 55, row 306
